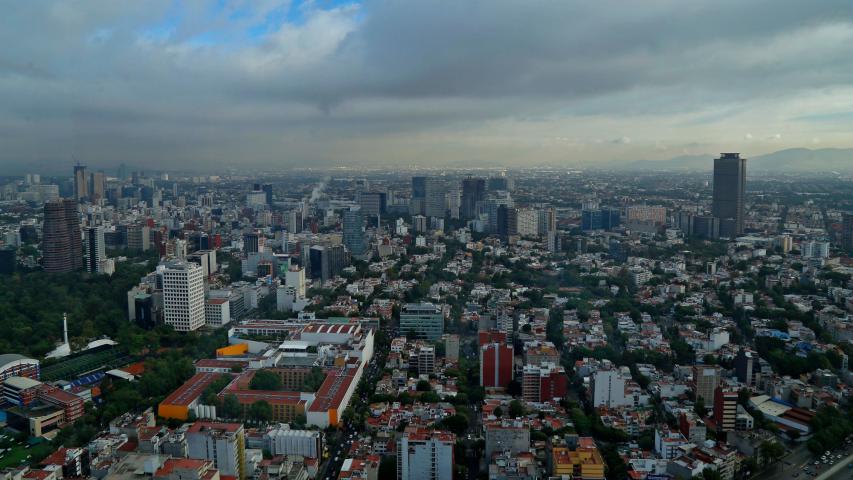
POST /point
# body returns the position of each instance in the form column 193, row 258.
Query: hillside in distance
column 788, row 160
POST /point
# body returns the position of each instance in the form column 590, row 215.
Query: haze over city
column 270, row 84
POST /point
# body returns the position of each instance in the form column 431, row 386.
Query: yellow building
column 584, row 463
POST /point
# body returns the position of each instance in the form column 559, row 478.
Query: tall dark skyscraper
column 61, row 243
column 729, row 193
column 473, row 191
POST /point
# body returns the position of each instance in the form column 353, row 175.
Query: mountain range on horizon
column 787, row 160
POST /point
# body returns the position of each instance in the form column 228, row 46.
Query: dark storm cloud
column 205, row 85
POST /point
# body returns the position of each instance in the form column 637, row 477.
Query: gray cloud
column 492, row 81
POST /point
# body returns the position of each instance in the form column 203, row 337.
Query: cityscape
column 332, row 240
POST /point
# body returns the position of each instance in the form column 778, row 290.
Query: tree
column 516, row 409
column 710, row 474
column 498, row 412
column 423, row 386
column 771, row 451
column 388, row 467
column 261, row 411
column 265, row 380
column 457, row 424
column 231, row 407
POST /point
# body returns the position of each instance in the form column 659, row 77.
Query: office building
column 373, row 203
column 327, row 261
column 267, row 189
column 81, row 183
column 353, row 231
column 706, row 379
column 527, row 222
column 729, row 193
column 725, row 409
column 473, row 193
column 61, row 243
column 138, row 237
column 425, row 454
column 435, row 198
column 222, row 443
column 422, row 320
column 99, row 185
column 183, row 295
column 744, row 366
column 426, row 360
column 253, row 242
column 294, row 221
column 501, row 183
column 217, row 312
column 96, row 256
column 451, row 347
column 547, row 222
column 646, row 213
column 600, row 219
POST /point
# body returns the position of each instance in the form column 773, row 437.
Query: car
column 817, row 463
column 797, row 474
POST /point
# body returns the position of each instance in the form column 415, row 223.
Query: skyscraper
column 81, row 182
column 61, row 244
column 95, row 252
column 847, row 231
column 353, row 231
column 99, row 185
column 473, row 192
column 183, row 295
column 729, row 193
column 435, row 201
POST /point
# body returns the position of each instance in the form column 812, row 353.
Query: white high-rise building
column 95, row 252
column 183, row 295
column 223, row 443
column 425, row 454
column 295, row 278
column 528, row 222
column 608, row 389
column 291, row 295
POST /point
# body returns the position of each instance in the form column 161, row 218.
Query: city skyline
column 281, row 85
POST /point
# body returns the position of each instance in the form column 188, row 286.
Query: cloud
column 205, row 84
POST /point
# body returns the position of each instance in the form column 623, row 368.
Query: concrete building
column 217, row 312
column 282, row 440
column 222, row 443
column 62, row 249
column 451, row 347
column 425, row 454
column 706, row 378
column 608, row 389
column 183, row 295
column 426, row 361
column 507, row 435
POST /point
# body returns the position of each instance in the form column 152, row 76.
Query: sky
column 197, row 85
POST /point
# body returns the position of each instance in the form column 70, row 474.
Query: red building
column 495, row 364
column 491, row 336
column 725, row 409
column 544, row 383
